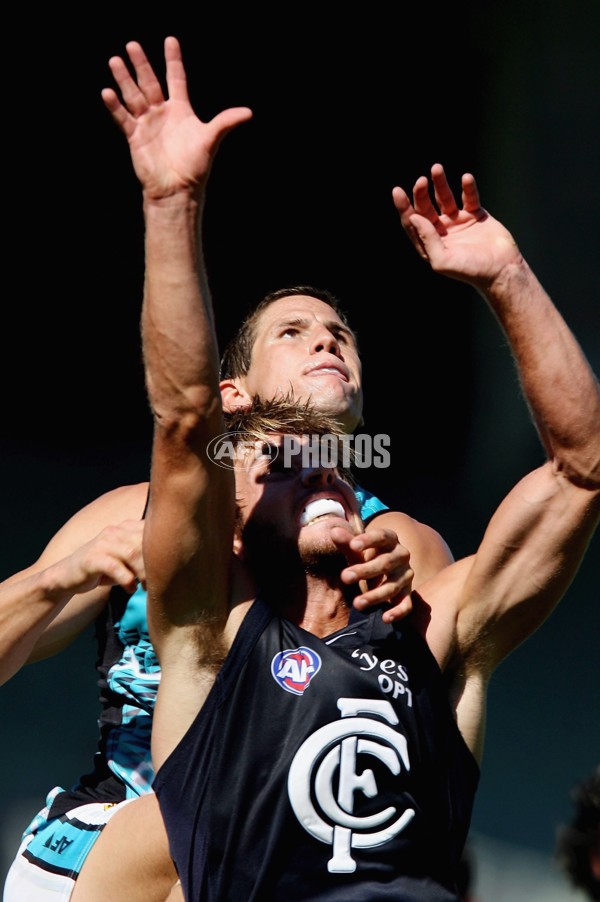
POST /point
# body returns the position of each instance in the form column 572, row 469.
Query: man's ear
column 238, row 547
column 233, row 395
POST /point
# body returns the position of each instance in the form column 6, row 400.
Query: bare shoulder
column 429, row 553
column 127, row 502
column 113, row 507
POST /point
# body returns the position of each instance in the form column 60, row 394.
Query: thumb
column 227, row 120
column 342, row 538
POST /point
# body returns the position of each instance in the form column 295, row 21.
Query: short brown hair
column 237, row 356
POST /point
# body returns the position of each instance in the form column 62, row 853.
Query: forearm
column 180, row 348
column 186, row 546
column 181, row 360
column 27, row 607
column 468, row 244
column 561, row 390
column 186, row 596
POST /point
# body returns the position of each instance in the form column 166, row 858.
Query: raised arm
column 481, row 608
column 189, row 525
column 468, row 244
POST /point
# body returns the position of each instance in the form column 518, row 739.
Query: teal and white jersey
column 369, row 504
column 134, row 678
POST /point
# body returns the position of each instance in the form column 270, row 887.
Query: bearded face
column 286, row 516
column 276, row 559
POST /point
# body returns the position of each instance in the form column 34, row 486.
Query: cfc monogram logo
column 332, row 751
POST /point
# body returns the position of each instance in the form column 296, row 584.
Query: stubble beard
column 279, row 563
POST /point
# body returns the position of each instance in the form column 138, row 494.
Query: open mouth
column 320, row 508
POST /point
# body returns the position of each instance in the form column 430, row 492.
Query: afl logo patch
column 294, row 668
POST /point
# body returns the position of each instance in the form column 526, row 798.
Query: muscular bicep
column 529, row 555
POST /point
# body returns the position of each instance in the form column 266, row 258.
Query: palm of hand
column 472, row 246
column 171, row 148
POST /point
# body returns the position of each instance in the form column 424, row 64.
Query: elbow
column 580, row 469
column 193, row 413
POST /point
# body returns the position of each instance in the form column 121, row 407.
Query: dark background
column 346, row 105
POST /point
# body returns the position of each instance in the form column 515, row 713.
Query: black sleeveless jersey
column 321, row 769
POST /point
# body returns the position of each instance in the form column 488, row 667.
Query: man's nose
column 324, row 340
column 317, row 475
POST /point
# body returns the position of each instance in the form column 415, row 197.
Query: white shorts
column 53, row 852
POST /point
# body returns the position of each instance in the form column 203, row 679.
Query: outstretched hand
column 463, row 243
column 381, row 565
column 171, row 148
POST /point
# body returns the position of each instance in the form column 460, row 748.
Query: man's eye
column 291, row 331
column 283, row 465
column 277, row 467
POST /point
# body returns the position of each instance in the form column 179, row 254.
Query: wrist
column 177, row 209
column 511, row 281
column 49, row 585
column 183, row 196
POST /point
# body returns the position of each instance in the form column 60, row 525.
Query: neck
column 317, row 604
column 305, row 589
